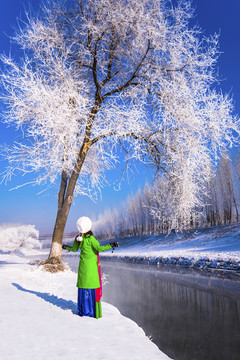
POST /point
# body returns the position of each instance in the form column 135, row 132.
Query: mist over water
column 189, row 315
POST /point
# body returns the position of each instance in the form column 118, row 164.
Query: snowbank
column 15, row 237
column 207, row 248
column 39, row 321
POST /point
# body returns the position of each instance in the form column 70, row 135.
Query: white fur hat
column 84, row 224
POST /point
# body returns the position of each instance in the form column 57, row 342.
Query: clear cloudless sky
column 25, row 205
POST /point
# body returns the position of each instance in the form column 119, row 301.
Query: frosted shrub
column 18, row 237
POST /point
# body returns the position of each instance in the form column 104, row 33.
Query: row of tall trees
column 152, row 209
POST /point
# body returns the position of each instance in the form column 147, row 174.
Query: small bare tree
column 99, row 75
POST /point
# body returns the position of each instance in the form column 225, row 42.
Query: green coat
column 88, row 276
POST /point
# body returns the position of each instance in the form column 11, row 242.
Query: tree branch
column 152, row 147
column 62, row 191
column 112, row 48
column 129, row 82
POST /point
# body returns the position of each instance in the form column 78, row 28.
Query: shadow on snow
column 52, row 299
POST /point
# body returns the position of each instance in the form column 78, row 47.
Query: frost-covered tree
column 223, row 194
column 17, row 237
column 97, row 76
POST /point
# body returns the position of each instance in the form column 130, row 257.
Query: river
column 190, row 315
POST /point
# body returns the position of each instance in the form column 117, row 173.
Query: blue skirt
column 87, row 302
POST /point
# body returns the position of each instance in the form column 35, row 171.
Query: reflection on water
column 189, row 316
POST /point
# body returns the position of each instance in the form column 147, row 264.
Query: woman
column 89, row 275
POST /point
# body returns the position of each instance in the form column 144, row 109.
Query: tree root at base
column 53, row 265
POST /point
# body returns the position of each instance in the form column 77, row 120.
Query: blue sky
column 24, row 205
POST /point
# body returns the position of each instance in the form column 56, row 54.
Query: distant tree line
column 150, row 210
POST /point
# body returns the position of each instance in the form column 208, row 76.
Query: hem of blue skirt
column 87, row 305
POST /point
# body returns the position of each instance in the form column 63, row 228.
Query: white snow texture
column 39, row 320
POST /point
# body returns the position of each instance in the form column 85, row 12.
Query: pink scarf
column 99, row 290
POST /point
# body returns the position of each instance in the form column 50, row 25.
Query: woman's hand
column 114, row 245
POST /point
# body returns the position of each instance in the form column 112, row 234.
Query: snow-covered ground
column 38, row 319
column 215, row 248
column 38, row 310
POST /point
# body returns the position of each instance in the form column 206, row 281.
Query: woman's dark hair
column 89, row 233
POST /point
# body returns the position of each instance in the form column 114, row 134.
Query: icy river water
column 190, row 315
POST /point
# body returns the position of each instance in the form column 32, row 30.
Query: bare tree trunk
column 65, row 198
column 56, row 247
column 65, row 195
column 60, row 223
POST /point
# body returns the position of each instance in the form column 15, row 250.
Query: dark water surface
column 188, row 314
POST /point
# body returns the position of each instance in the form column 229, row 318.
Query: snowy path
column 38, row 320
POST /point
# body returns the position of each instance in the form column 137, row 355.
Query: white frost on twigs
column 18, row 237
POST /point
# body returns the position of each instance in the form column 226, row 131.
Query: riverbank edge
column 180, row 262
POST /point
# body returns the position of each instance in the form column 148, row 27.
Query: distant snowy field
column 38, row 312
column 207, row 248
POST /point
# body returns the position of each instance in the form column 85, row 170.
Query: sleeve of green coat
column 75, row 246
column 98, row 247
